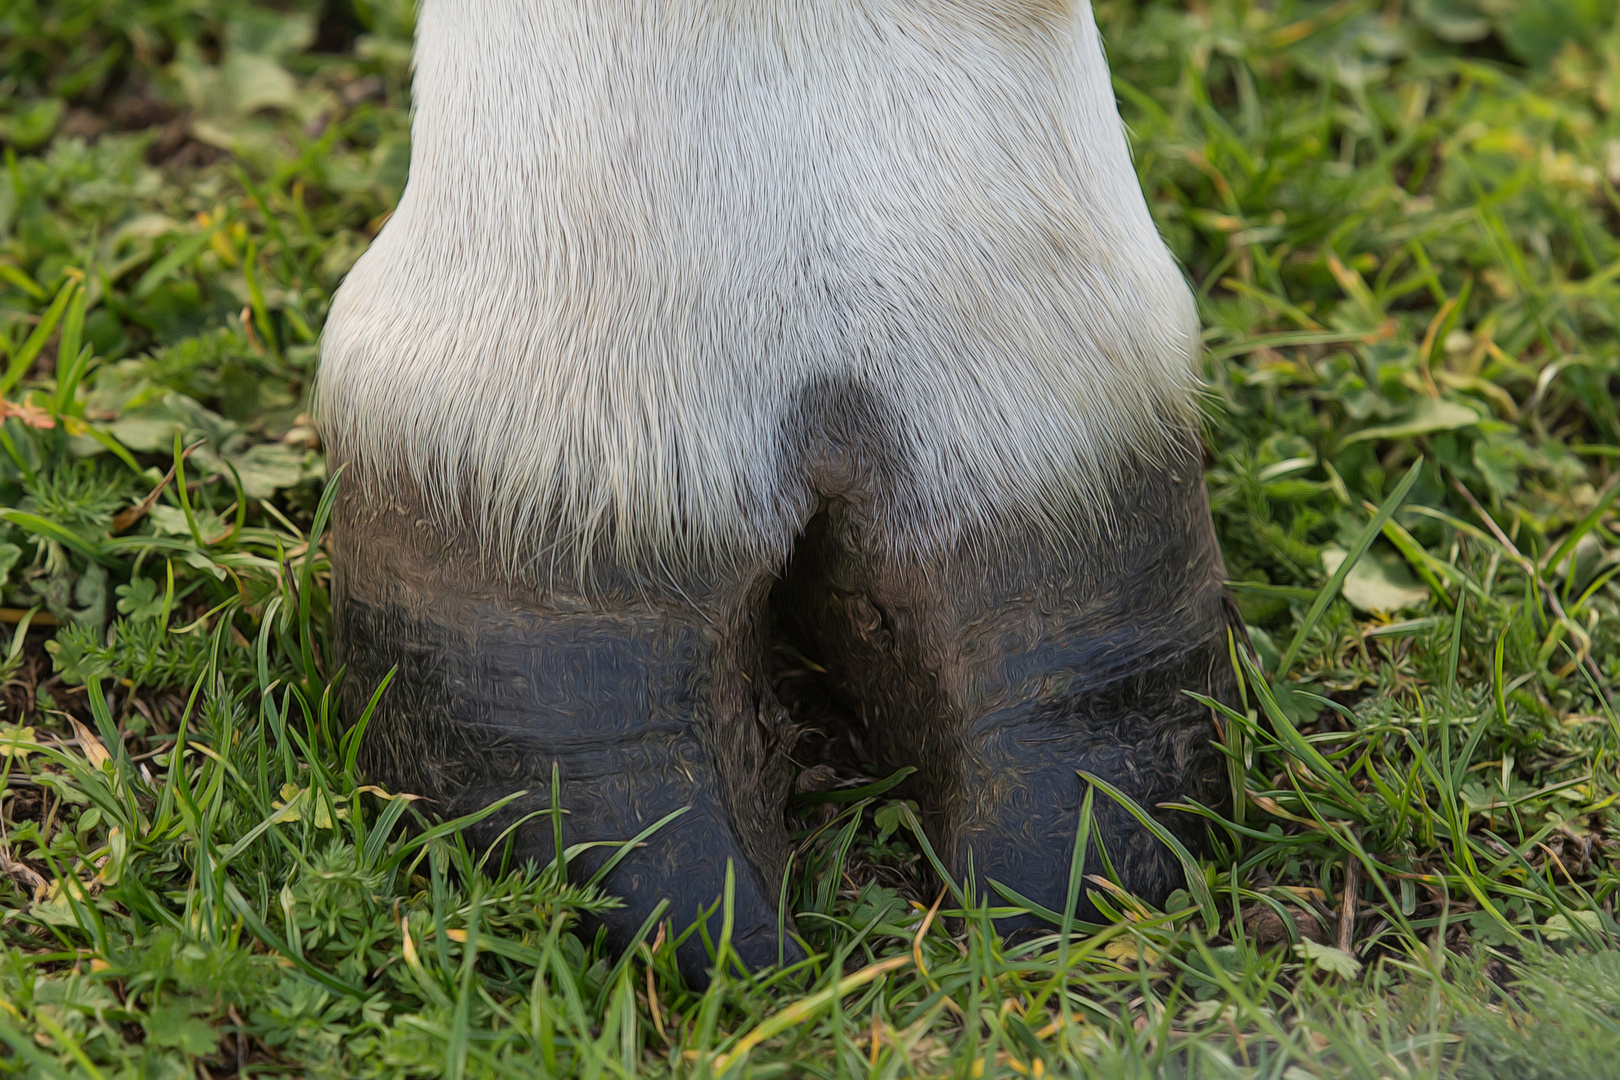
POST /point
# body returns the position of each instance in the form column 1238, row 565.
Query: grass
column 1400, row 220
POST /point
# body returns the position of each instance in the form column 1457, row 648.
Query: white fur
column 636, row 230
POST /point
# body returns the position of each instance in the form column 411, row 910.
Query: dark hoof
column 685, row 864
column 1021, row 831
column 1002, row 666
column 641, row 709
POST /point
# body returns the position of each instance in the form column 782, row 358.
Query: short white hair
column 638, row 236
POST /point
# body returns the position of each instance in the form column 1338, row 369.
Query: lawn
column 1400, row 222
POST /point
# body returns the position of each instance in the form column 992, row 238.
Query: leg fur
column 636, row 235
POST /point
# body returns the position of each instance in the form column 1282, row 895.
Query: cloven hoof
column 997, row 669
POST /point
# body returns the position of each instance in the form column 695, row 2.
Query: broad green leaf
column 1328, row 958
column 269, row 467
column 1430, row 416
column 172, row 1024
column 1376, row 583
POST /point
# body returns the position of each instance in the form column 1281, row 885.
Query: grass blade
column 1357, row 550
column 1189, row 865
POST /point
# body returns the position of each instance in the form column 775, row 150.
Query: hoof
column 685, row 864
column 642, row 707
column 1017, row 806
column 1004, row 666
column 999, row 667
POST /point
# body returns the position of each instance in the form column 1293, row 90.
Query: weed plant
column 1400, row 222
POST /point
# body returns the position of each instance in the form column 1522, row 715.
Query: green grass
column 1400, row 220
